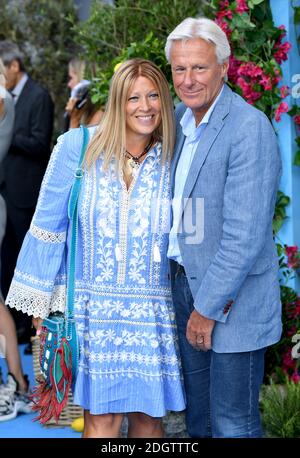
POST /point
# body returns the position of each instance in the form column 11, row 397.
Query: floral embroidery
column 123, row 310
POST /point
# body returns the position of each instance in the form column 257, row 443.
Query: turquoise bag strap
column 73, row 218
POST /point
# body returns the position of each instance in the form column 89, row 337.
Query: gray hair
column 9, row 51
column 200, row 28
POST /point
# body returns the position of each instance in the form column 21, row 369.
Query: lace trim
column 34, row 302
column 47, row 236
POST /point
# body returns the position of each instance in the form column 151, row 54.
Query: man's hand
column 199, row 330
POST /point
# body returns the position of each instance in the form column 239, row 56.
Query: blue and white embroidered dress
column 124, row 314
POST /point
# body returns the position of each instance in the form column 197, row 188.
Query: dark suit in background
column 24, row 167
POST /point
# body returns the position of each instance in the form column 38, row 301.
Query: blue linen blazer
column 232, row 270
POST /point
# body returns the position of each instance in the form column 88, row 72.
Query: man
column 26, row 161
column 225, row 172
column 13, row 394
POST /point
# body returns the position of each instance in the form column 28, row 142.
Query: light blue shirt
column 192, row 134
column 19, row 88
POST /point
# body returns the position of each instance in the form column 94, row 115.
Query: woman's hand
column 70, row 105
column 2, row 109
column 37, row 322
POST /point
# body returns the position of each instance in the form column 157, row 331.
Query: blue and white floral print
column 124, row 314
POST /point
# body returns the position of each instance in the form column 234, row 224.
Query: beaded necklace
column 132, row 163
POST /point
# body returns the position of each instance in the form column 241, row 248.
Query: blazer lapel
column 24, row 94
column 207, row 139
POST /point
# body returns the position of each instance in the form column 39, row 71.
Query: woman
column 79, row 108
column 124, row 314
column 76, row 69
column 13, row 394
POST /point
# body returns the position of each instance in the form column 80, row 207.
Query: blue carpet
column 23, row 426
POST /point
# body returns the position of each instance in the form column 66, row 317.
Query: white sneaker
column 13, row 401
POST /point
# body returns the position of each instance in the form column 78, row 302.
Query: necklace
column 132, row 164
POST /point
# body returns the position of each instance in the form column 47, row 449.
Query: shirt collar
column 19, row 87
column 188, row 120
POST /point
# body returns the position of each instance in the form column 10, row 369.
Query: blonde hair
column 110, row 137
column 2, row 68
column 78, row 67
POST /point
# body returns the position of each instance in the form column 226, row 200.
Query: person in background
column 79, row 87
column 24, row 164
column 81, row 109
column 13, row 393
column 76, row 70
column 124, row 314
column 224, row 265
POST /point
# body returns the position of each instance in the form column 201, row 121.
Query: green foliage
column 151, row 48
column 110, row 29
column 252, row 36
column 297, row 15
column 132, row 28
column 280, row 211
column 295, row 112
column 297, row 154
column 279, row 361
column 42, row 31
column 281, row 410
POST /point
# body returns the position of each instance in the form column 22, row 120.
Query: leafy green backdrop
column 43, row 32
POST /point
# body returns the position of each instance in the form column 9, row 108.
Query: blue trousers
column 222, row 388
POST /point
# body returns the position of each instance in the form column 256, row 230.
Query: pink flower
column 247, row 89
column 284, row 91
column 234, row 65
column 295, row 377
column 224, row 26
column 281, row 51
column 250, row 69
column 277, row 77
column 265, row 81
column 282, row 108
column 224, row 13
column 291, row 250
column 288, row 362
column 297, row 309
column 293, row 256
column 253, row 75
column 283, row 31
column 292, row 330
column 297, row 120
column 242, row 6
column 224, row 4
